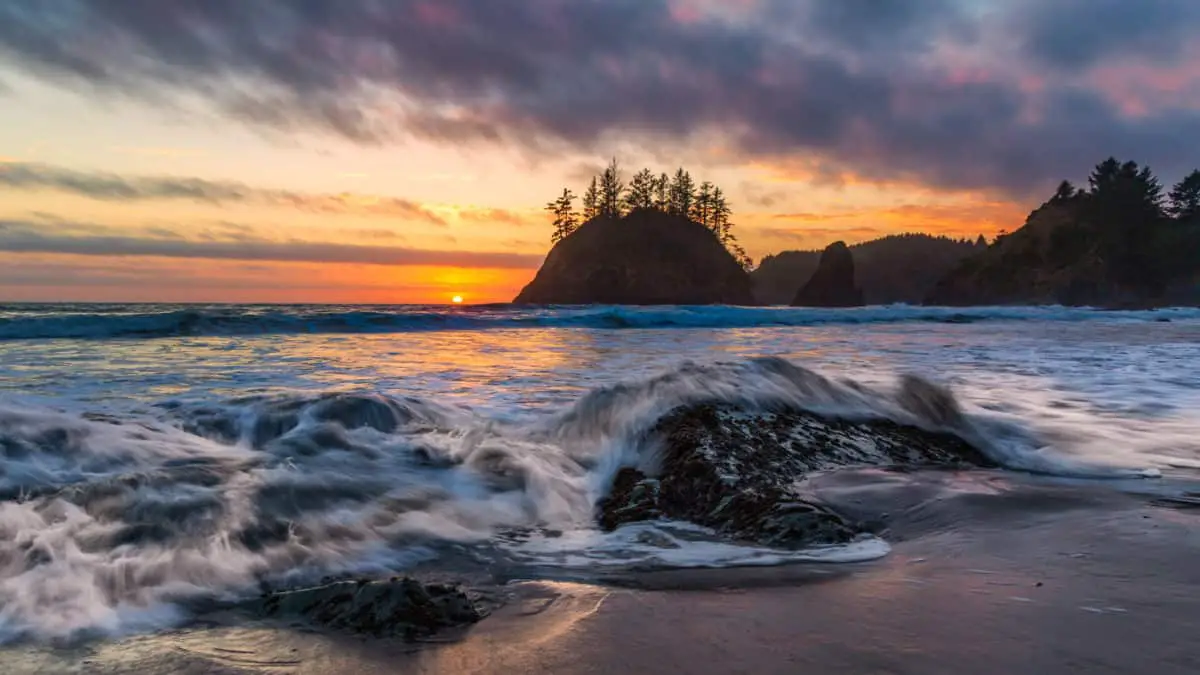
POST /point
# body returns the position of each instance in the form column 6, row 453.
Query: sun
column 456, row 299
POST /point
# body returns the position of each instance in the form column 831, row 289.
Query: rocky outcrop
column 646, row 258
column 833, row 283
column 736, row 471
column 896, row 268
column 399, row 607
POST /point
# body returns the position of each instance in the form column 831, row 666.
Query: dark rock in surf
column 646, row 258
column 400, row 607
column 832, row 284
column 736, row 471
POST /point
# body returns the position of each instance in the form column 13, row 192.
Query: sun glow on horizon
column 458, row 299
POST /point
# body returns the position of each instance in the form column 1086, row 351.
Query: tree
column 1104, row 175
column 702, row 207
column 719, row 217
column 662, row 195
column 981, row 242
column 1065, row 192
column 610, row 191
column 591, row 201
column 681, row 194
column 566, row 220
column 640, row 194
column 1184, row 201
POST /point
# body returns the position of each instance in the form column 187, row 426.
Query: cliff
column 833, row 283
column 1066, row 255
column 645, row 258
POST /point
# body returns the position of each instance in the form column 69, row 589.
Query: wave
column 108, row 523
column 26, row 322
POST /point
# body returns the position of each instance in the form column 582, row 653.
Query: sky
column 402, row 151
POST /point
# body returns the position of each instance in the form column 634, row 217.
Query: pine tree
column 681, row 194
column 719, row 217
column 1104, row 175
column 640, row 194
column 1065, row 192
column 702, row 207
column 1184, row 200
column 662, row 194
column 566, row 220
column 610, row 191
column 591, row 201
column 981, row 242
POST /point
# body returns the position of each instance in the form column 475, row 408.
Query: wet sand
column 987, row 577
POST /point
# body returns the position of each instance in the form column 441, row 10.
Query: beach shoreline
column 1072, row 579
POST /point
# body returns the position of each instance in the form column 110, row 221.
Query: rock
column 891, row 269
column 736, row 470
column 400, row 607
column 832, row 284
column 646, row 258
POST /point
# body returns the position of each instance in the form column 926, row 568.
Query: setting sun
column 457, row 299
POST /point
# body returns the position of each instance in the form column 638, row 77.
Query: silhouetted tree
column 566, row 220
column 640, row 194
column 981, row 242
column 591, row 200
column 678, row 195
column 610, row 190
column 1065, row 192
column 662, row 193
column 681, row 194
column 1184, row 200
column 702, row 206
column 1104, row 175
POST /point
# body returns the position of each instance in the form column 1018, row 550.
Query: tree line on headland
column 1120, row 240
column 608, row 196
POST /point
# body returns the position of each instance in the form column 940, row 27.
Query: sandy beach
column 986, row 575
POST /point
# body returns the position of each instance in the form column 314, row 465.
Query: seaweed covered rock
column 735, row 471
column 400, row 607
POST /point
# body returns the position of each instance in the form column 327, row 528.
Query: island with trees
column 657, row 240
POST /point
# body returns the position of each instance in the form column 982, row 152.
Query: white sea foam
column 187, row 487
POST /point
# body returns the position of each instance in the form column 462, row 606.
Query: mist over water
column 141, row 472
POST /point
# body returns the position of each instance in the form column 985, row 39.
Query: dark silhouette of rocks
column 896, row 268
column 833, row 283
column 647, row 257
column 1117, row 243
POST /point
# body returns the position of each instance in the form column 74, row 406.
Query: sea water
column 151, row 455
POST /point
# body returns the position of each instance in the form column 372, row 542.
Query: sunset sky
column 401, row 151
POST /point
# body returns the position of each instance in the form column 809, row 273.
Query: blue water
column 19, row 322
column 131, row 476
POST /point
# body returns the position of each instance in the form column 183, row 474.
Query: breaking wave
column 22, row 322
column 107, row 523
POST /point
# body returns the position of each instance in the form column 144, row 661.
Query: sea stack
column 832, row 284
column 645, row 258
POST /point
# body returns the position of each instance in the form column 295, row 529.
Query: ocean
column 155, row 456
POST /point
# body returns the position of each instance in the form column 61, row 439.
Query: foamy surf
column 107, row 523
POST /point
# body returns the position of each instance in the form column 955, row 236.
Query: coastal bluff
column 647, row 257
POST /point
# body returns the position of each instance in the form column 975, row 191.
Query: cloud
column 24, row 237
column 935, row 91
column 113, row 187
